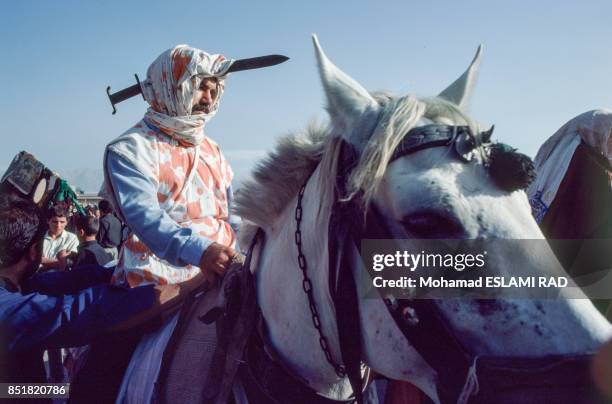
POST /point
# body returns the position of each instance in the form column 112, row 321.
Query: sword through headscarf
column 236, row 65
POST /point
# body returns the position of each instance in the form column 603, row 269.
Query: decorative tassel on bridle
column 509, row 169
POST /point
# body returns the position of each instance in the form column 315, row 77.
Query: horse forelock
column 277, row 178
column 398, row 117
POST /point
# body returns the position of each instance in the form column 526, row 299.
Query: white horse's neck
column 284, row 303
column 285, row 306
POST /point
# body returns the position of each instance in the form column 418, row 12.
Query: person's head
column 21, row 233
column 87, row 227
column 184, row 80
column 105, row 207
column 57, row 220
column 205, row 96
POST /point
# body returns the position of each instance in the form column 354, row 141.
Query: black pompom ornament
column 510, row 170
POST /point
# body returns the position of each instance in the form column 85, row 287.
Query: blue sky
column 543, row 63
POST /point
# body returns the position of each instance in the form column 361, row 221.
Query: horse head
column 464, row 188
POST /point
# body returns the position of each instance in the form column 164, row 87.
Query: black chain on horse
column 307, row 286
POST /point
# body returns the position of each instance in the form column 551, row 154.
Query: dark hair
column 105, row 206
column 21, row 225
column 89, row 224
column 57, row 211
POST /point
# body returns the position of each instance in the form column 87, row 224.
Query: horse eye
column 432, row 224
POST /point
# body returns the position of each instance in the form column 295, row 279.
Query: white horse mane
column 278, row 177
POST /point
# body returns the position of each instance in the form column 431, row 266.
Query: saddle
column 202, row 357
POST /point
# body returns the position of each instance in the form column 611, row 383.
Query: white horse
column 427, row 194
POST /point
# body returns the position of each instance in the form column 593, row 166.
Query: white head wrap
column 171, row 82
column 594, row 128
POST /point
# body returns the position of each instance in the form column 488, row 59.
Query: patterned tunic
column 192, row 195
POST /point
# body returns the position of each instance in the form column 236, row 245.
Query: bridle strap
column 425, row 137
column 343, row 288
column 348, row 321
column 459, row 138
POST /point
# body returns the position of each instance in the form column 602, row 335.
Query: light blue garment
column 137, row 196
column 143, row 370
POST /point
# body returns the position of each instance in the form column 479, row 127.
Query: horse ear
column 460, row 91
column 347, row 100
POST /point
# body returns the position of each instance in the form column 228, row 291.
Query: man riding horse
column 168, row 180
column 171, row 185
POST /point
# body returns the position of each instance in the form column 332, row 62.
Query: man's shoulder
column 142, row 132
column 68, row 236
column 110, row 221
column 140, row 145
column 211, row 141
column 211, row 148
column 136, row 134
column 92, row 247
column 112, row 218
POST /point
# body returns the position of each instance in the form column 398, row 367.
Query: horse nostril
column 431, row 224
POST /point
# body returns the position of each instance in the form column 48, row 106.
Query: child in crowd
column 89, row 250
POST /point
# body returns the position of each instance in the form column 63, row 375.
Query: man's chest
column 187, row 177
column 52, row 246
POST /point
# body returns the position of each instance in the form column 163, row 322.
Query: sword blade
column 257, row 63
column 238, row 65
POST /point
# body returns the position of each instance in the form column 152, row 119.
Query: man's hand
column 216, row 259
column 62, row 260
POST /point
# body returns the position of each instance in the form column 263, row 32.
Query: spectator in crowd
column 92, row 210
column 89, row 210
column 58, row 243
column 60, row 309
column 89, row 252
column 110, row 235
